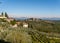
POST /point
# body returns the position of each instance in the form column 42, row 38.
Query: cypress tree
column 6, row 15
column 2, row 14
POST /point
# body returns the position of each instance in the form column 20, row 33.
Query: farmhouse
column 25, row 25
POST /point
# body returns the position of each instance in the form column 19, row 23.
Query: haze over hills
column 43, row 18
column 52, row 18
column 21, row 18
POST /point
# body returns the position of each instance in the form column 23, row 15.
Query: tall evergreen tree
column 2, row 14
column 6, row 15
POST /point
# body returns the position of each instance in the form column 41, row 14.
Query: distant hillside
column 24, row 18
column 21, row 18
column 51, row 18
column 45, row 26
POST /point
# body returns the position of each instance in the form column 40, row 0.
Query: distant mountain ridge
column 21, row 18
column 44, row 18
column 54, row 18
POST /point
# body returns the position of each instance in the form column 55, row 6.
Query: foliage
column 38, row 32
column 13, row 22
column 22, row 35
column 44, row 26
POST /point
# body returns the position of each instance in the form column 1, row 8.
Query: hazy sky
column 31, row 8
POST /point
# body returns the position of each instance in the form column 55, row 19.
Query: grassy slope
column 45, row 26
column 36, row 33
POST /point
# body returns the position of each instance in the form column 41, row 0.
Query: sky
column 31, row 8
